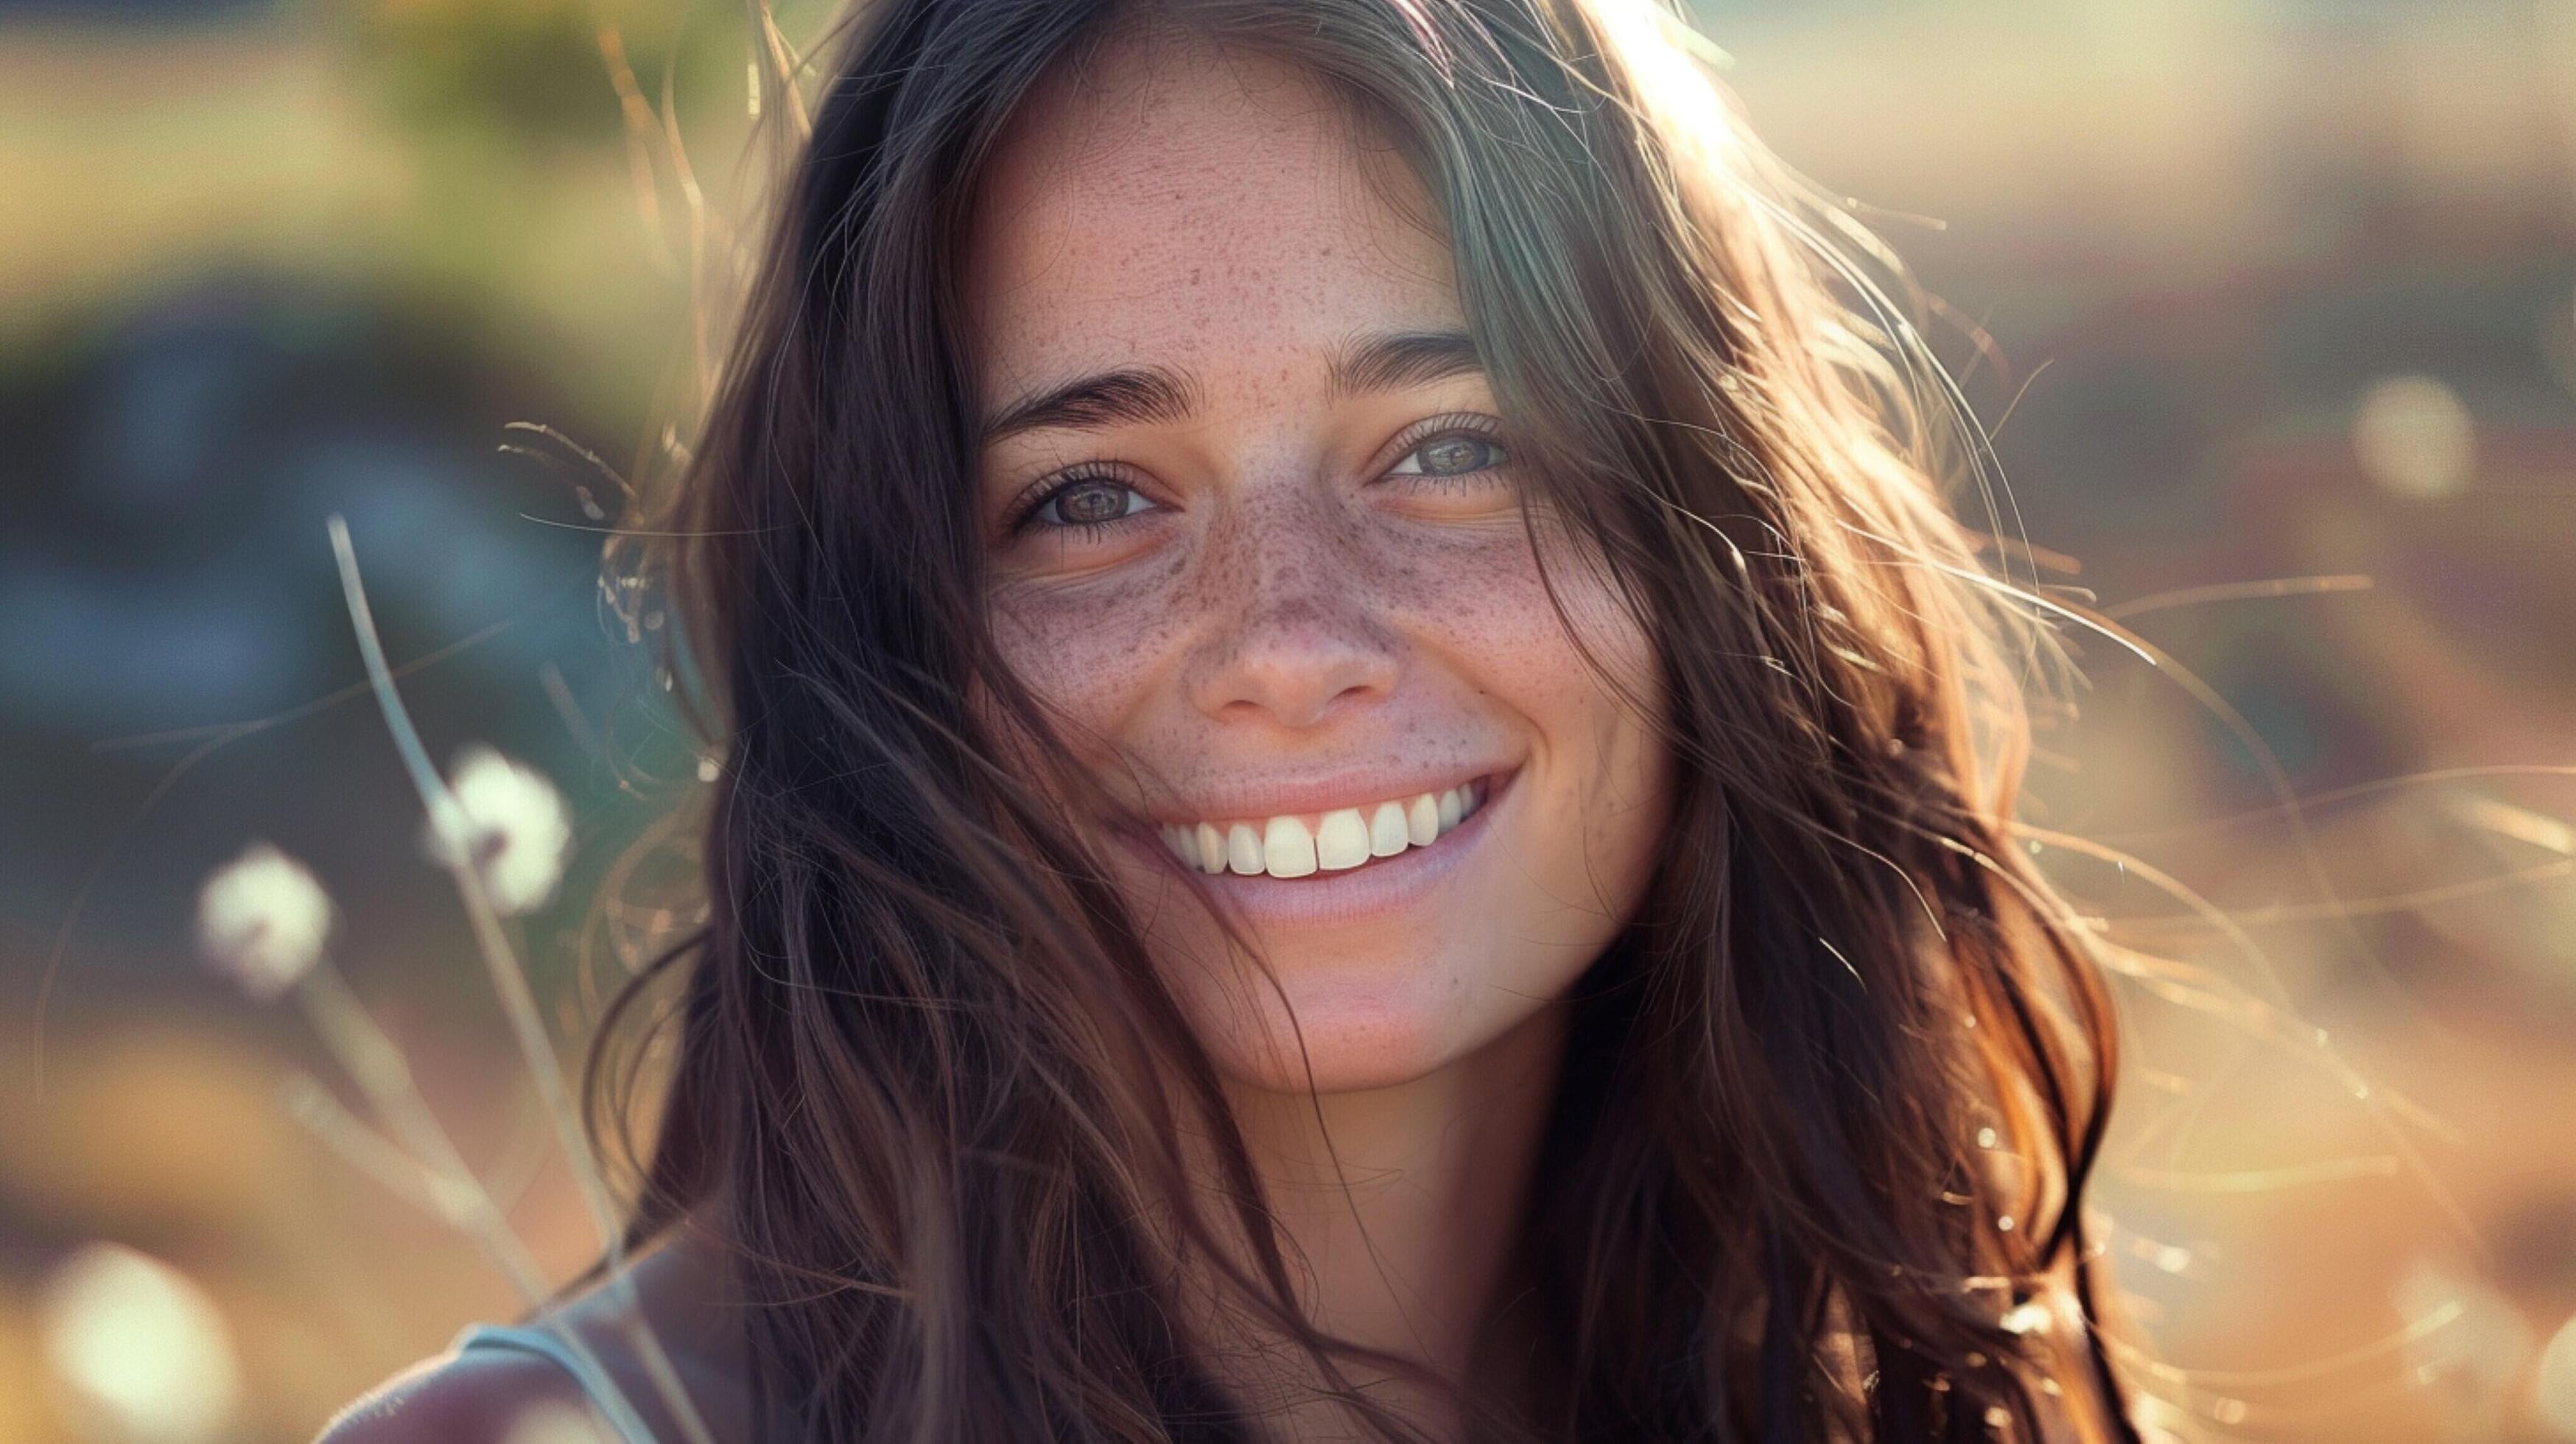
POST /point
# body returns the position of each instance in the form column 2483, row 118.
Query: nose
column 1297, row 636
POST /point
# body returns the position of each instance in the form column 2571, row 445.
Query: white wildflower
column 262, row 919
column 140, row 1347
column 509, row 823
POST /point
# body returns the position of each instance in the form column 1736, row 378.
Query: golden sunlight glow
column 139, row 1347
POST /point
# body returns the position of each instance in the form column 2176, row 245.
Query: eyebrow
column 1152, row 395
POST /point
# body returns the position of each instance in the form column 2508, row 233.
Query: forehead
column 1212, row 209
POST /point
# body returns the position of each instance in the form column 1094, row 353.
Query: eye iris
column 1091, row 501
column 1454, row 454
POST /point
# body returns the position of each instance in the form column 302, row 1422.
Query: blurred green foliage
column 530, row 72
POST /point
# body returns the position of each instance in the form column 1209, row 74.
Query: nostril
column 1298, row 664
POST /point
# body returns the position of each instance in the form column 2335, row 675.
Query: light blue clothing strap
column 605, row 1396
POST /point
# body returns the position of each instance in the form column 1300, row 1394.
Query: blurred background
column 2272, row 304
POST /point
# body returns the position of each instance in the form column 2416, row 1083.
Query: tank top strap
column 605, row 1395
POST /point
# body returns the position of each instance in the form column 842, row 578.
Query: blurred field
column 2277, row 293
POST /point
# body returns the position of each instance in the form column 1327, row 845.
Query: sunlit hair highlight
column 926, row 1080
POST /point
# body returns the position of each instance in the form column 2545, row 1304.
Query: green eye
column 1456, row 454
column 1092, row 501
column 1082, row 504
column 1452, row 448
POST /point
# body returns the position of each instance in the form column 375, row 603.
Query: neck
column 1399, row 1208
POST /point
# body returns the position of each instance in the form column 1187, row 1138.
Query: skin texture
column 1279, row 600
column 1273, row 603
column 1280, row 603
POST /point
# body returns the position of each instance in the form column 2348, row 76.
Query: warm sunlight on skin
column 1260, row 592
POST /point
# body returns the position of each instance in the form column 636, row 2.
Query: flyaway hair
column 926, row 1081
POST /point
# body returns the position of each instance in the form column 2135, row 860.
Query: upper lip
column 1322, row 792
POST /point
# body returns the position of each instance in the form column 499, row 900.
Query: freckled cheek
column 1604, row 768
column 1489, row 609
column 1092, row 648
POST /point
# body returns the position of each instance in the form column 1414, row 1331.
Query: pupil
column 1449, row 457
column 1105, row 505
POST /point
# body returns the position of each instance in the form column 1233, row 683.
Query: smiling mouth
column 1326, row 844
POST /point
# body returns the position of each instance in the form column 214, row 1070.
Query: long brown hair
column 1818, row 1163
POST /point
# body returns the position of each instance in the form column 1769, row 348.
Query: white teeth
column 1288, row 848
column 1422, row 820
column 1387, row 832
column 1341, row 840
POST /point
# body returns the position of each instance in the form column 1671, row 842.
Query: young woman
column 1365, row 787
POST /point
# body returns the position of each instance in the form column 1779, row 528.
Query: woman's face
column 1253, row 534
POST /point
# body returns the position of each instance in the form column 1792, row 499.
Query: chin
column 1349, row 1034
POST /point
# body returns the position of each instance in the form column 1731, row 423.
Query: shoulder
column 481, row 1396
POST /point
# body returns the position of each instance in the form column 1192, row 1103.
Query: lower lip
column 1376, row 889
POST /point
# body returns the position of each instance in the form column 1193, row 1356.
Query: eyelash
column 1421, row 435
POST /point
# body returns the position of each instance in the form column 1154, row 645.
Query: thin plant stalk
column 364, row 1149
column 518, row 1002
column 385, row 1076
